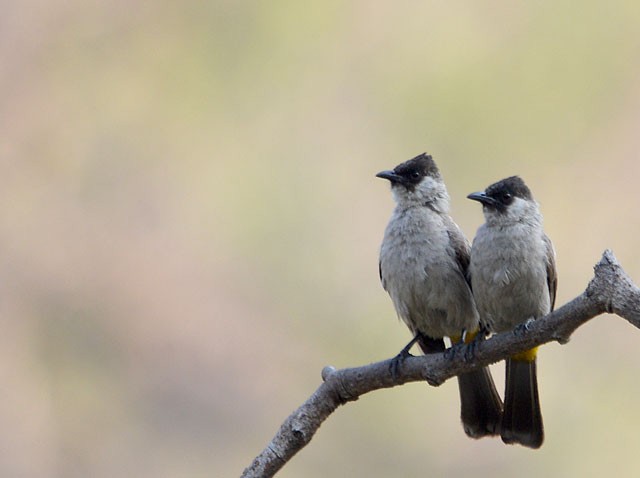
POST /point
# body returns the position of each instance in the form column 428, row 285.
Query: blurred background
column 190, row 223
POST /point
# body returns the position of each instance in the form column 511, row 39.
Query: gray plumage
column 512, row 260
column 423, row 266
column 513, row 276
column 421, row 272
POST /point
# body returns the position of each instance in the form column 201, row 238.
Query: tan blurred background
column 190, row 223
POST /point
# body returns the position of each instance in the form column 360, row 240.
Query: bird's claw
column 524, row 327
column 483, row 333
column 470, row 351
column 476, row 343
column 397, row 361
column 454, row 350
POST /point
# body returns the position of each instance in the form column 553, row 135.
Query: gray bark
column 611, row 290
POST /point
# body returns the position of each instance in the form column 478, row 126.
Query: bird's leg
column 473, row 341
column 457, row 344
column 467, row 342
column 402, row 356
column 483, row 333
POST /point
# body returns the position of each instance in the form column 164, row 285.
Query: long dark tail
column 522, row 418
column 480, row 404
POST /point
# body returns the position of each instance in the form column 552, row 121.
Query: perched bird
column 423, row 266
column 513, row 277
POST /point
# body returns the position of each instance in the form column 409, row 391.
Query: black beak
column 390, row 175
column 481, row 197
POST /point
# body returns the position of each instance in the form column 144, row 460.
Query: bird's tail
column 480, row 404
column 522, row 418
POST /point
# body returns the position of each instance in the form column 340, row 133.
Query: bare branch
column 610, row 290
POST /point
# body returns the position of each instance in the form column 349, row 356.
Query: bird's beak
column 390, row 175
column 481, row 197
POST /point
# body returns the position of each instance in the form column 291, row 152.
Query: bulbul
column 423, row 266
column 513, row 277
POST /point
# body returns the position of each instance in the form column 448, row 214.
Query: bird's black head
column 410, row 173
column 500, row 195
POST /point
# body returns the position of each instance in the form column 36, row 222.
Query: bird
column 514, row 280
column 423, row 265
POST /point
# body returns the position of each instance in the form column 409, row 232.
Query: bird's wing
column 382, row 281
column 461, row 249
column 552, row 277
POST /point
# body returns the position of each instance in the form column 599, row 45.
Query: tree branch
column 611, row 290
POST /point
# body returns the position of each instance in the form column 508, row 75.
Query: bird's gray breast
column 420, row 272
column 508, row 276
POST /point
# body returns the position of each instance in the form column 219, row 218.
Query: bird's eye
column 506, row 196
column 415, row 174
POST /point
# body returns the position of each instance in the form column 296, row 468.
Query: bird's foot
column 475, row 343
column 399, row 359
column 470, row 351
column 455, row 349
column 524, row 327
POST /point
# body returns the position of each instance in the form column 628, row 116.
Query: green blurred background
column 190, row 225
